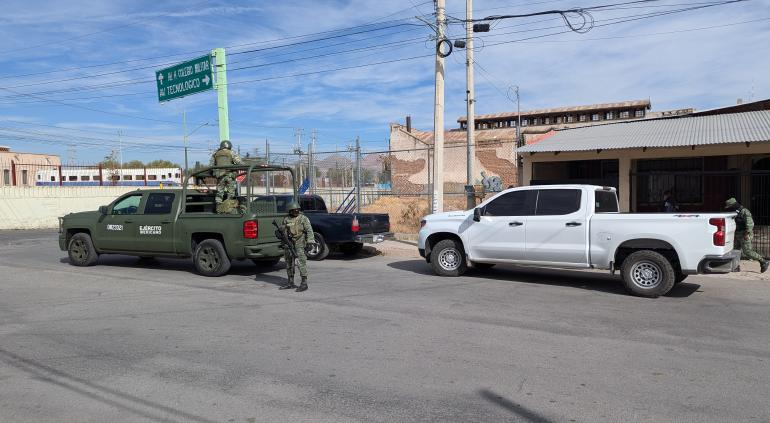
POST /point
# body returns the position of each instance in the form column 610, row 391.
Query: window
column 159, row 203
column 152, row 177
column 128, row 178
column 140, row 177
column 583, row 118
column 72, row 178
column 97, row 178
column 524, row 122
column 306, row 203
column 176, row 175
column 555, row 202
column 514, row 203
column 570, row 119
column 127, row 205
column 559, row 119
column 25, row 177
column 609, row 115
column 115, row 177
column 595, row 117
column 682, row 176
column 85, row 178
column 639, row 113
column 535, row 121
column 39, row 177
column 7, row 177
column 625, row 114
column 606, row 202
column 547, row 121
column 53, row 179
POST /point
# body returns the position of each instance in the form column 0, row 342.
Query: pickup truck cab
column 578, row 226
column 181, row 223
column 343, row 232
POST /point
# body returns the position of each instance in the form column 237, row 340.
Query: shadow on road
column 591, row 281
column 138, row 406
column 517, row 409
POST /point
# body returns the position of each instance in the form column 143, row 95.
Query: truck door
column 500, row 234
column 558, row 231
column 116, row 230
column 155, row 227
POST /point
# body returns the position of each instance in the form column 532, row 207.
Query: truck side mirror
column 103, row 210
column 477, row 214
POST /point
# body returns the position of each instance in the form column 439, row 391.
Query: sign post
column 221, row 86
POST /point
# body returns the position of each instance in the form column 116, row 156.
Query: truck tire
column 81, row 251
column 448, row 258
column 321, row 249
column 210, row 258
column 266, row 262
column 648, row 274
column 351, row 248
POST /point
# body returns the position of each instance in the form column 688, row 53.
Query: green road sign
column 184, row 79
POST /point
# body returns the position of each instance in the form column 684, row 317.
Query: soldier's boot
column 303, row 285
column 289, row 283
column 763, row 265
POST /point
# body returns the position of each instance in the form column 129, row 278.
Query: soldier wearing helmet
column 744, row 233
column 225, row 199
column 297, row 225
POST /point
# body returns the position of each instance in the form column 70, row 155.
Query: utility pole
column 267, row 161
column 470, row 120
column 311, row 161
column 120, row 153
column 438, row 112
column 358, row 175
column 221, row 87
column 184, row 129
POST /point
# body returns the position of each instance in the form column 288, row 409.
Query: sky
column 80, row 81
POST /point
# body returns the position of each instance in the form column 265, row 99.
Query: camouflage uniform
column 302, row 233
column 226, row 183
column 744, row 233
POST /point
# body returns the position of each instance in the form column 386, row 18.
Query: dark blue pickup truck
column 343, row 232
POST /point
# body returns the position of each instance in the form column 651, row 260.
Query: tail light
column 719, row 235
column 251, row 229
column 354, row 226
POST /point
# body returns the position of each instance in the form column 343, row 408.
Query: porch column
column 624, row 183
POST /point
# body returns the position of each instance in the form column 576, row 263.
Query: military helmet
column 226, row 144
column 731, row 202
column 293, row 205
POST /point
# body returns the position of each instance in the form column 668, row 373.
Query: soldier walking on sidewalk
column 744, row 233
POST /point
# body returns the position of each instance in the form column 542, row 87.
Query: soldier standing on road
column 225, row 197
column 744, row 233
column 297, row 225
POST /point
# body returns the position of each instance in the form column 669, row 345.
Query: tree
column 162, row 163
column 133, row 164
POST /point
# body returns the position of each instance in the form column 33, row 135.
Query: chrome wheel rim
column 449, row 259
column 646, row 275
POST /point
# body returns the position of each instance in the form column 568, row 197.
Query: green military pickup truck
column 184, row 223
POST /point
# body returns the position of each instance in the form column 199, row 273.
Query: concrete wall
column 39, row 207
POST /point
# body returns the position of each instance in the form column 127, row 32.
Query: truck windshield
column 606, row 202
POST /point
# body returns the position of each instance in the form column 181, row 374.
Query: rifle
column 287, row 242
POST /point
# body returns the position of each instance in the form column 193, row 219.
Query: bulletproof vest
column 740, row 221
column 223, row 157
column 294, row 225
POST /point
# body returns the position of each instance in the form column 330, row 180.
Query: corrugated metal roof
column 664, row 132
column 583, row 108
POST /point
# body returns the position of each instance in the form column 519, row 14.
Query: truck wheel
column 211, row 259
column 448, row 259
column 267, row 263
column 81, row 251
column 351, row 248
column 321, row 249
column 648, row 274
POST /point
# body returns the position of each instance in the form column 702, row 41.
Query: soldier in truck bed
column 744, row 233
column 226, row 200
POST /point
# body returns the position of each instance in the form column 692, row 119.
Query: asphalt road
column 375, row 339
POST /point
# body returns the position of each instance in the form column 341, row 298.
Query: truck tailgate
column 373, row 223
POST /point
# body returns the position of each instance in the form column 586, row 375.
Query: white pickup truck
column 578, row 226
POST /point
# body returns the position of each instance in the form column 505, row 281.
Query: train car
column 112, row 177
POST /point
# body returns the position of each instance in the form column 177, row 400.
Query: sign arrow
column 205, row 80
